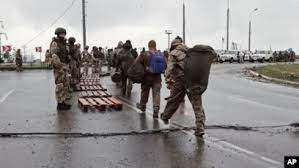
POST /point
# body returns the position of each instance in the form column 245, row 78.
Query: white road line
column 237, row 98
column 220, row 144
column 4, row 97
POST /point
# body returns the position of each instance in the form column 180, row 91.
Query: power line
column 53, row 23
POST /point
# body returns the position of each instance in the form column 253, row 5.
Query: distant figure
column 19, row 61
column 135, row 53
column 86, row 60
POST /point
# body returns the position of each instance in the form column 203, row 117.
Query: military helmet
column 60, row 30
column 176, row 42
column 72, row 40
column 86, row 47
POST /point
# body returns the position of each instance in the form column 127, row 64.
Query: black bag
column 136, row 72
column 115, row 76
column 197, row 67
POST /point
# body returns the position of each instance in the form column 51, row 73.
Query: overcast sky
column 275, row 24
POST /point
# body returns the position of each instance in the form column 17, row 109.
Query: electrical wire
column 53, row 23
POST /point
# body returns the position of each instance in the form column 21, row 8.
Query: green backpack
column 197, row 66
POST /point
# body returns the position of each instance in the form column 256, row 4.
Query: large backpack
column 197, row 66
column 136, row 72
column 157, row 63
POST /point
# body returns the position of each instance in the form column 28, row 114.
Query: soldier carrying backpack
column 188, row 73
column 124, row 60
column 154, row 65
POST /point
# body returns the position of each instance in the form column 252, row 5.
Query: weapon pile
column 94, row 96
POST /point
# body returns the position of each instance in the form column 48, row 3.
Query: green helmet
column 60, row 30
column 72, row 40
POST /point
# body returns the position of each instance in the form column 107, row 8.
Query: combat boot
column 141, row 107
column 156, row 114
column 164, row 119
column 199, row 133
column 63, row 106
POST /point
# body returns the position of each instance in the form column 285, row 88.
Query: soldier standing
column 86, row 60
column 78, row 64
column 73, row 63
column 109, row 58
column 19, row 61
column 60, row 60
column 175, row 79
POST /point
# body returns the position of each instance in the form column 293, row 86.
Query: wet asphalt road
column 27, row 105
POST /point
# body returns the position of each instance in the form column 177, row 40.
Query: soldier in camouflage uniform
column 73, row 63
column 175, row 79
column 86, row 60
column 124, row 60
column 60, row 60
column 19, row 61
column 78, row 63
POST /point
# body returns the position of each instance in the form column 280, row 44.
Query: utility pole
column 227, row 27
column 168, row 32
column 1, row 24
column 184, row 22
column 84, row 22
column 250, row 29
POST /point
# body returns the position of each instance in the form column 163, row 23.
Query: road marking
column 220, row 144
column 238, row 98
column 4, row 97
column 226, row 146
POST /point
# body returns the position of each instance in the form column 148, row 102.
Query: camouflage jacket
column 59, row 52
column 175, row 63
column 86, row 57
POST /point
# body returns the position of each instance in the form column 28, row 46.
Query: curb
column 273, row 79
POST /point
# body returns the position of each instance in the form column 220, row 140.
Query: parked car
column 263, row 56
column 228, row 56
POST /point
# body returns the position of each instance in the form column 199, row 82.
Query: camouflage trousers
column 97, row 67
column 177, row 95
column 148, row 84
column 19, row 68
column 85, row 68
column 126, row 86
column 62, row 85
column 74, row 72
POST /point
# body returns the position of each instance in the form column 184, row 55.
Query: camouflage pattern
column 59, row 61
column 86, row 61
column 124, row 60
column 98, row 58
column 176, row 80
column 19, row 61
column 73, row 64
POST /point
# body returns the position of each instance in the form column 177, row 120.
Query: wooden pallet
column 96, row 93
column 100, row 104
column 90, row 88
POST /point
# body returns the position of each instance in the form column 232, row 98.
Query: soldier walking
column 154, row 64
column 175, row 79
column 124, row 60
